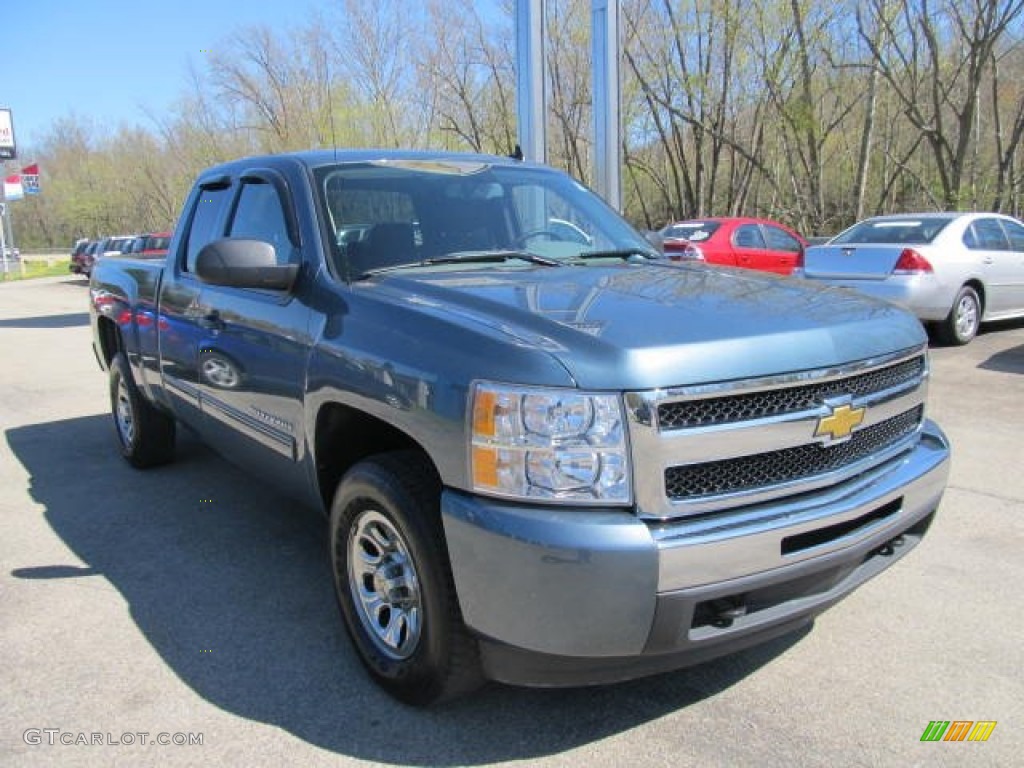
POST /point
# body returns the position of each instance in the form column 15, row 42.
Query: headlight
column 557, row 444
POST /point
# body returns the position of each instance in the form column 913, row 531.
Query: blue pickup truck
column 548, row 456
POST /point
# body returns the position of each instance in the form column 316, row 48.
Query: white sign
column 8, row 150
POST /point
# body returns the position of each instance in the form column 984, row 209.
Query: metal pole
column 3, row 239
column 10, row 237
column 530, row 98
column 607, row 122
column 10, row 227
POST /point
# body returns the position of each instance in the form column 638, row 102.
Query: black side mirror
column 244, row 264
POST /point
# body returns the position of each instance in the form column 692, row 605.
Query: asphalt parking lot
column 192, row 600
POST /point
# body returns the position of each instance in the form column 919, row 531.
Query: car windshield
column 901, row 231
column 457, row 214
column 694, row 231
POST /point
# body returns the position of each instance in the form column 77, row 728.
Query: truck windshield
column 388, row 215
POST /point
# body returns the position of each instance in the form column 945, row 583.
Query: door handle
column 987, row 260
column 211, row 321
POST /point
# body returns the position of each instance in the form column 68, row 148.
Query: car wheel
column 393, row 581
column 145, row 434
column 964, row 319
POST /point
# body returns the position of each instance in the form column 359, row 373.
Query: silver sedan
column 953, row 270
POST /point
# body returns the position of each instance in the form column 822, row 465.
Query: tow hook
column 727, row 610
column 888, row 549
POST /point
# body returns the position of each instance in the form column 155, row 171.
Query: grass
column 27, row 270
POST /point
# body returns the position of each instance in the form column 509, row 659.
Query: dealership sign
column 13, row 190
column 8, row 150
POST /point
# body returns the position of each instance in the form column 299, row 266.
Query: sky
column 112, row 60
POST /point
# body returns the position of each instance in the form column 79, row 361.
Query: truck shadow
column 230, row 585
column 70, row 320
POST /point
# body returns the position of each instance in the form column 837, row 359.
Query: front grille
column 688, row 414
column 715, row 478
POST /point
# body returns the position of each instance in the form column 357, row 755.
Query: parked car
column 12, row 254
column 149, row 246
column 82, row 261
column 736, row 242
column 82, row 264
column 953, row 270
column 115, row 246
column 78, row 255
column 79, row 247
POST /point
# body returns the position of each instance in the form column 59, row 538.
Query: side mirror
column 244, row 264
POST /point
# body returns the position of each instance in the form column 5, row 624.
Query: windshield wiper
column 483, row 256
column 466, row 257
column 624, row 254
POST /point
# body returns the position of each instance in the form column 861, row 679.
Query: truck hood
column 645, row 326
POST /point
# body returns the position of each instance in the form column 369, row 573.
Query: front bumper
column 563, row 596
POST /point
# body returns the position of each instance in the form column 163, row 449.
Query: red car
column 736, row 242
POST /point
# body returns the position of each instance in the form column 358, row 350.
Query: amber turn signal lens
column 483, row 413
column 485, row 467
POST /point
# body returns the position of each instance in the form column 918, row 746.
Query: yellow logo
column 839, row 424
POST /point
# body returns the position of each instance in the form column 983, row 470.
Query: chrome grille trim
column 788, row 465
column 709, row 411
column 888, row 387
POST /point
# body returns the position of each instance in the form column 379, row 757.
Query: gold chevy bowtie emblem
column 840, row 423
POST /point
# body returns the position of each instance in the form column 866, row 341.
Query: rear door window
column 1015, row 232
column 748, row 236
column 988, row 236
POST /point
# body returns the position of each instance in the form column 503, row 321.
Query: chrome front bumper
column 564, row 596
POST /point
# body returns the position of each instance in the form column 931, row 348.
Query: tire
column 962, row 323
column 144, row 434
column 386, row 534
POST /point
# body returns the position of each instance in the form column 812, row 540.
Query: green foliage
column 33, row 269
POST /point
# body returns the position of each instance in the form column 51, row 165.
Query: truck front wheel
column 145, row 434
column 393, row 582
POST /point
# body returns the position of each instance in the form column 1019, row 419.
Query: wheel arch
column 979, row 288
column 346, row 435
column 110, row 341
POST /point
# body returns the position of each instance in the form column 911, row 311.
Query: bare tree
column 468, row 75
column 933, row 58
column 375, row 55
column 1006, row 144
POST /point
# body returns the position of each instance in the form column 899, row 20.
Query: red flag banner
column 30, row 179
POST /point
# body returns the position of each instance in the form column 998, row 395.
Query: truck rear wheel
column 145, row 434
column 393, row 581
